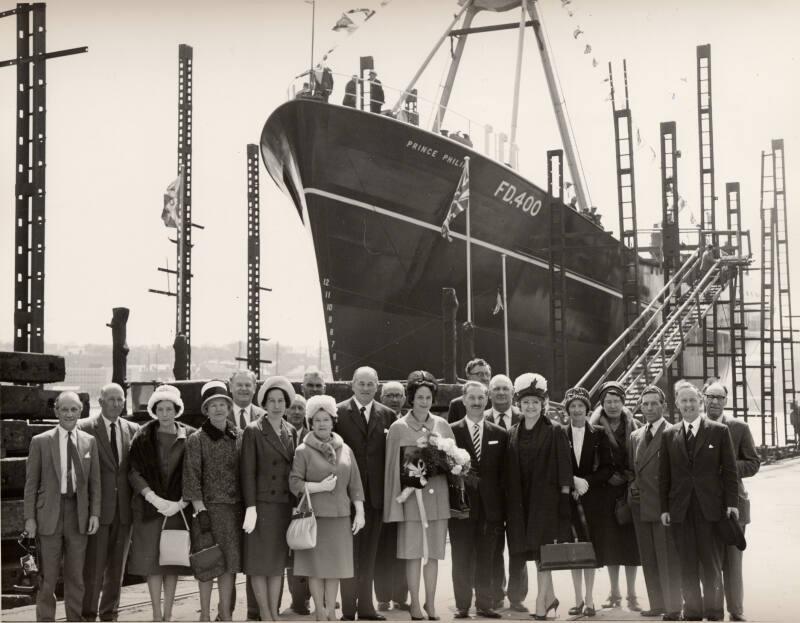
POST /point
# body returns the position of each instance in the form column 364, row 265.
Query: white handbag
column 302, row 531
column 174, row 546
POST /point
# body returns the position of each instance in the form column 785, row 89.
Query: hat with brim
column 214, row 389
column 530, row 384
column 276, row 382
column 165, row 392
column 730, row 533
column 577, row 393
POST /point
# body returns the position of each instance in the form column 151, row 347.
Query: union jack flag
column 460, row 201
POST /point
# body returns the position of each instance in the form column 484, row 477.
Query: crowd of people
column 100, row 493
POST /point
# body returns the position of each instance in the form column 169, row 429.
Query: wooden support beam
column 12, row 476
column 19, row 367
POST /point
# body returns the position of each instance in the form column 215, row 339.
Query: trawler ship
column 374, row 189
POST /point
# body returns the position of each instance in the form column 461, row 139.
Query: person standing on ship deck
column 376, row 96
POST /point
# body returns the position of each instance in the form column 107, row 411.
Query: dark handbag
column 575, row 555
column 622, row 511
column 207, row 559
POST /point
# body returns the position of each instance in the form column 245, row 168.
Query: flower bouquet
column 434, row 455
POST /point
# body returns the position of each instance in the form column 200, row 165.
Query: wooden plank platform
column 13, row 518
column 15, row 437
column 31, row 368
column 23, row 402
column 12, row 476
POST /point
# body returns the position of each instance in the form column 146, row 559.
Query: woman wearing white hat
column 211, row 483
column 538, row 477
column 156, row 475
column 268, row 446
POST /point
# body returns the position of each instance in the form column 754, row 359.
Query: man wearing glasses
column 747, row 465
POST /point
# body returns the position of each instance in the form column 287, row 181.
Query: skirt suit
column 265, row 461
column 313, row 462
column 211, row 474
column 404, row 433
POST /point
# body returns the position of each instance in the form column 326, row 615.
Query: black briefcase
column 575, row 555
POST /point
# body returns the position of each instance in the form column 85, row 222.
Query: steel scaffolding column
column 736, row 305
column 558, row 281
column 253, row 263
column 183, row 316
column 707, row 195
column 767, row 371
column 626, row 200
column 784, row 283
column 670, row 227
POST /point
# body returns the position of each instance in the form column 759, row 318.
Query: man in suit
column 313, row 383
column 376, row 96
column 505, row 415
column 296, row 416
column 391, row 587
column 62, row 505
column 107, row 549
column 476, row 370
column 662, row 571
column 474, row 539
column 715, row 395
column 698, row 487
column 363, row 423
column 242, row 386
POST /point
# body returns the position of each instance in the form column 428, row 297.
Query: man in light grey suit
column 715, row 395
column 107, row 549
column 62, row 505
column 504, row 414
column 662, row 571
column 242, row 386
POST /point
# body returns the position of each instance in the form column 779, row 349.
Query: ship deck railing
column 421, row 112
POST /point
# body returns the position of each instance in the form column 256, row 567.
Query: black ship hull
column 374, row 192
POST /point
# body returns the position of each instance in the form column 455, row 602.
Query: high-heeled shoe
column 589, row 611
column 612, row 602
column 577, row 609
column 553, row 606
column 633, row 604
column 430, row 618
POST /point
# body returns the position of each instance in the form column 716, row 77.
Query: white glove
column 172, row 508
column 328, row 484
column 250, row 516
column 160, row 503
column 580, row 484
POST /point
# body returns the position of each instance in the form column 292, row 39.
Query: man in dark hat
column 476, row 370
column 662, row 573
column 376, row 96
column 697, row 470
column 715, row 395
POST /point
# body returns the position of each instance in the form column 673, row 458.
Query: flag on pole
column 460, row 201
column 171, row 213
column 498, row 306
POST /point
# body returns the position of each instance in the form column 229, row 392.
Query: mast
column 454, row 63
column 558, row 107
column 515, row 105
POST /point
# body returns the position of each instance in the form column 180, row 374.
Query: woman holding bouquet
column 538, row 481
column 430, row 503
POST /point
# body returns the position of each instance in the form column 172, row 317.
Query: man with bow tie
column 698, row 487
column 62, row 505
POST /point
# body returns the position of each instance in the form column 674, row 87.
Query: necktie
column 501, row 417
column 476, row 442
column 648, row 435
column 114, row 449
column 690, row 441
column 242, row 420
column 70, row 465
column 363, row 411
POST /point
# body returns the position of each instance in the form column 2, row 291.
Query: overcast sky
column 112, row 132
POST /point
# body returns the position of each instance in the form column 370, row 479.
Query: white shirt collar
column 248, row 409
column 62, row 432
column 473, row 424
column 501, row 414
column 657, row 424
column 367, row 407
column 695, row 425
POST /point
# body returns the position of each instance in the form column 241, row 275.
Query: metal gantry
column 707, row 195
column 183, row 316
column 784, row 298
column 29, row 187
column 736, row 310
column 557, row 257
column 767, row 336
column 626, row 200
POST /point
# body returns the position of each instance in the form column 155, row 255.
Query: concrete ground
column 772, row 581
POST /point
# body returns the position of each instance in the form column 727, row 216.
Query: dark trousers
column 472, row 543
column 732, row 578
column 106, row 552
column 390, row 572
column 517, row 577
column 660, row 563
column 65, row 545
column 700, row 551
column 357, row 591
column 298, row 587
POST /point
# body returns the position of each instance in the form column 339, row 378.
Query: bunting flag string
column 349, row 22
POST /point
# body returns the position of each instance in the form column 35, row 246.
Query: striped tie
column 476, row 442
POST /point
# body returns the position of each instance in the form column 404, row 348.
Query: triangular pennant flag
column 498, row 305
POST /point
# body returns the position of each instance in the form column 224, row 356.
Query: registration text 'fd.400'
column 522, row 200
